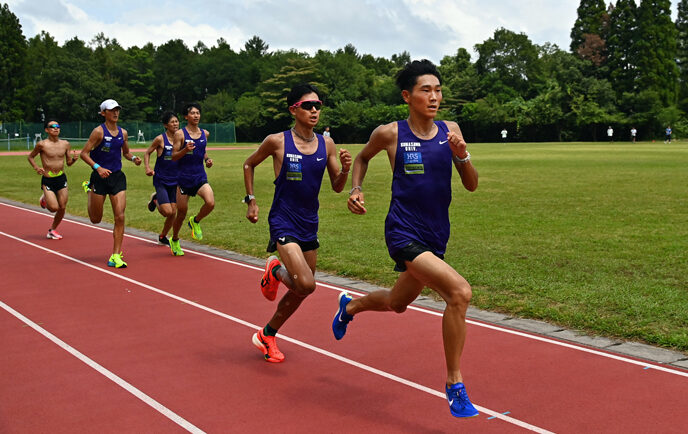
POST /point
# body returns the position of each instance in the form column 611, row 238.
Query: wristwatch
column 463, row 160
column 248, row 198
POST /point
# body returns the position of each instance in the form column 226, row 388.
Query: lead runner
column 421, row 152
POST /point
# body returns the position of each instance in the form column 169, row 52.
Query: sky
column 428, row 29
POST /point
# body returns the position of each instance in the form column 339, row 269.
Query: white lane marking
column 571, row 346
column 367, row 368
column 174, row 417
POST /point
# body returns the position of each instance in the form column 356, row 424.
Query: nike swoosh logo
column 320, row 159
column 282, row 239
column 451, row 401
column 442, row 142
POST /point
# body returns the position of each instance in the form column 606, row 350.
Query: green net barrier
column 14, row 134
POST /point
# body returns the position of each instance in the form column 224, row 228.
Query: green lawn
column 591, row 236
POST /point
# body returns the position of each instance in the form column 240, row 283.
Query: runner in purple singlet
column 421, row 152
column 299, row 158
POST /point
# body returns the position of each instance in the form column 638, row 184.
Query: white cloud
column 424, row 28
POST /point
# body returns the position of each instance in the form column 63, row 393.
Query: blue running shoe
column 341, row 319
column 459, row 404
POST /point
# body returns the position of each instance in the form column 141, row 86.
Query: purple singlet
column 109, row 152
column 295, row 205
column 421, row 191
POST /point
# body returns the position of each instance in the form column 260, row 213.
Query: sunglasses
column 309, row 104
column 54, row 126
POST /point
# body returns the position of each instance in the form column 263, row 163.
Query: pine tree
column 590, row 21
column 621, row 46
column 12, row 59
column 656, row 60
column 682, row 50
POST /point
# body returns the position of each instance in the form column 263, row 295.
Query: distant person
column 103, row 151
column 164, row 175
column 299, row 159
column 504, row 134
column 667, row 134
column 421, row 152
column 326, row 133
column 634, row 132
column 190, row 150
column 610, row 134
column 53, row 152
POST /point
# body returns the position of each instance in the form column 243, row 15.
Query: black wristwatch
column 248, row 198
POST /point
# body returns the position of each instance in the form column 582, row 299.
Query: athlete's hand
column 252, row 211
column 103, row 172
column 190, row 146
column 345, row 159
column 457, row 144
column 355, row 203
column 149, row 171
column 209, row 163
column 136, row 160
column 40, row 171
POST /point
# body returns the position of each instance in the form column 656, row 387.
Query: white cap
column 109, row 104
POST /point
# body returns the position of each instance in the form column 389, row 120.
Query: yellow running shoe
column 176, row 248
column 116, row 261
column 196, row 232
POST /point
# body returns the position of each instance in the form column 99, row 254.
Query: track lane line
column 420, row 387
column 174, row 417
column 572, row 346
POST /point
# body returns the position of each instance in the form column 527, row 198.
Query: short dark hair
column 408, row 76
column 300, row 90
column 188, row 107
column 167, row 116
column 48, row 122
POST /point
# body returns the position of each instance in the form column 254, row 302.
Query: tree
column 682, row 52
column 656, row 62
column 507, row 64
column 621, row 46
column 12, row 58
column 590, row 21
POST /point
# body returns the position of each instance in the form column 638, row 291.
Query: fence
column 16, row 134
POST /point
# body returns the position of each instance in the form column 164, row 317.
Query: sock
column 196, row 220
column 274, row 272
column 269, row 331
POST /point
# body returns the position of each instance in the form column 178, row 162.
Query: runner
column 103, row 152
column 190, row 150
column 53, row 152
column 299, row 158
column 164, row 175
column 421, row 151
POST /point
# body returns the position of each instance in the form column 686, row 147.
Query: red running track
column 165, row 346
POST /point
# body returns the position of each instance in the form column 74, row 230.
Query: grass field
column 591, row 236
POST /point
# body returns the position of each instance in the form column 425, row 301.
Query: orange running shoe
column 269, row 283
column 268, row 346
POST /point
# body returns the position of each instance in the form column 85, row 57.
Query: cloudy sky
column 425, row 28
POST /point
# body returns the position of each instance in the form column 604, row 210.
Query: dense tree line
column 627, row 65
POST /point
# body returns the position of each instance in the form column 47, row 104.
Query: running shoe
column 459, row 404
column 196, row 232
column 341, row 319
column 86, row 186
column 42, row 202
column 176, row 248
column 163, row 240
column 269, row 283
column 153, row 202
column 116, row 261
column 53, row 235
column 268, row 346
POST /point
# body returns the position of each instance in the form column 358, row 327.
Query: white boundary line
column 644, row 364
column 174, row 417
column 362, row 366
